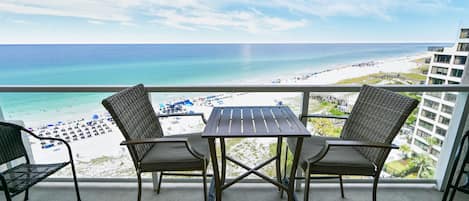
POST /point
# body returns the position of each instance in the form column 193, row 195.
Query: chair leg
column 307, row 182
column 139, row 180
column 7, row 195
column 159, row 183
column 204, row 180
column 75, row 181
column 26, row 194
column 375, row 186
column 341, row 186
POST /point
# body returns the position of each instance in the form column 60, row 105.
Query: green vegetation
column 390, row 78
column 367, row 79
column 336, row 112
column 417, row 166
column 326, row 127
column 396, row 168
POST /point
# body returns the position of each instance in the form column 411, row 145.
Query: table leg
column 216, row 174
column 277, row 165
column 296, row 157
column 223, row 160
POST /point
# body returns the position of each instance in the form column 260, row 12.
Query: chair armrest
column 166, row 140
column 349, row 143
column 357, row 143
column 323, row 116
column 69, row 149
column 185, row 114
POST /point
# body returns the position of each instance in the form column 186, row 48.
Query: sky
column 230, row 21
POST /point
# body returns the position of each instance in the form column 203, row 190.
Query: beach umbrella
column 188, row 103
column 95, row 116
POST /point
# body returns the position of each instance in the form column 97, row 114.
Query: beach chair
column 150, row 150
column 21, row 177
column 365, row 141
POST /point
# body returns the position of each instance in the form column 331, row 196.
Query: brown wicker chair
column 365, row 141
column 150, row 150
column 21, row 177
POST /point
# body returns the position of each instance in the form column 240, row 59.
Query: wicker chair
column 365, row 141
column 150, row 150
column 20, row 178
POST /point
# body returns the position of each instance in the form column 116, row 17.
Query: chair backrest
column 11, row 143
column 133, row 113
column 377, row 116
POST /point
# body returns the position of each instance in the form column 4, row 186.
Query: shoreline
column 88, row 150
column 310, row 75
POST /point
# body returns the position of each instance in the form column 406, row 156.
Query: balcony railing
column 455, row 127
column 435, row 49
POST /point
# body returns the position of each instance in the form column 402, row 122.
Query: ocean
column 163, row 64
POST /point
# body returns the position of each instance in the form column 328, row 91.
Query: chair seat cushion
column 338, row 160
column 24, row 176
column 175, row 156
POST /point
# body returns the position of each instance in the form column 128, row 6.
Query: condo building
column 446, row 67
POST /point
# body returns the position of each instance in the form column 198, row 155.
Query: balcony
column 435, row 49
column 122, row 185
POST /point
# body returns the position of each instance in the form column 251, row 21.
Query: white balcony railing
column 454, row 132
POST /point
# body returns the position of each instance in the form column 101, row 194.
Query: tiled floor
column 239, row 192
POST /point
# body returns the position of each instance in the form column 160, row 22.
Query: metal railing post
column 305, row 106
column 304, row 111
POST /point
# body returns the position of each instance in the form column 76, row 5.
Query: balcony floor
column 247, row 191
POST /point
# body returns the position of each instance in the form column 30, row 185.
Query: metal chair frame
column 3, row 181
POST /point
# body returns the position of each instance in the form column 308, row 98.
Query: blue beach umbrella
column 95, row 116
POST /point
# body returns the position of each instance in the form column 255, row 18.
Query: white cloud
column 95, row 22
column 216, row 15
column 377, row 8
column 104, row 10
column 252, row 21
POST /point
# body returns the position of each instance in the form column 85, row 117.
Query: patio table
column 252, row 122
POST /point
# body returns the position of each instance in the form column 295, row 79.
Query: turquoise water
column 169, row 64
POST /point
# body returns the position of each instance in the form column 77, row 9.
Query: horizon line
column 227, row 43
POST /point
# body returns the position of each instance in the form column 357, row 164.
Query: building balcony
column 108, row 177
column 436, row 49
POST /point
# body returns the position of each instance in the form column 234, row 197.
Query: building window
column 434, row 94
column 428, row 114
column 452, row 82
column 431, row 104
column 443, row 120
column 460, row 60
column 450, row 97
column 456, row 72
column 439, row 70
column 442, row 58
column 435, row 153
column 463, row 47
column 426, row 125
column 422, row 145
column 464, row 33
column 440, row 131
column 436, row 81
column 422, row 134
column 446, row 109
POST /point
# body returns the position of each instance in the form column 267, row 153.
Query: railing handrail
column 231, row 88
